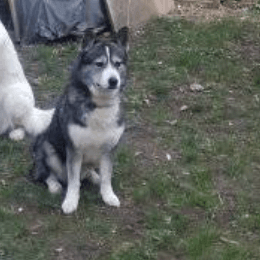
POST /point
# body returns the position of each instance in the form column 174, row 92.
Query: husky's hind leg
column 94, row 177
column 53, row 184
column 91, row 175
column 45, row 164
column 50, row 161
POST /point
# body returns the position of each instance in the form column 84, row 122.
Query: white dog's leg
column 17, row 134
column 73, row 164
column 16, row 106
column 106, row 189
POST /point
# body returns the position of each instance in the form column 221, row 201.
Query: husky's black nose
column 112, row 83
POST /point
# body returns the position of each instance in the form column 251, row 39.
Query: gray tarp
column 43, row 20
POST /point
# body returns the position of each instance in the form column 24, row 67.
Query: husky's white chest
column 101, row 131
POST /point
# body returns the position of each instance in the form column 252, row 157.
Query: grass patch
column 213, row 133
column 54, row 68
column 202, row 243
column 187, row 173
column 16, row 241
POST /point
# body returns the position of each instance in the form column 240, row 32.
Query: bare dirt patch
column 227, row 197
column 196, row 11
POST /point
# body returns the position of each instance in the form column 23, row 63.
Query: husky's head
column 103, row 64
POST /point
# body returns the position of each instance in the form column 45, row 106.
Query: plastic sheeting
column 48, row 20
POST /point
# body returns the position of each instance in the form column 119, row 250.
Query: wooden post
column 133, row 12
column 15, row 20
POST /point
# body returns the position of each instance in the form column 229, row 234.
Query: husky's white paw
column 17, row 134
column 70, row 204
column 110, row 198
column 53, row 185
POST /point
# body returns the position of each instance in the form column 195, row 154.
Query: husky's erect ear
column 88, row 39
column 122, row 37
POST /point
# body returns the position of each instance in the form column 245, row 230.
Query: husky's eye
column 118, row 64
column 99, row 64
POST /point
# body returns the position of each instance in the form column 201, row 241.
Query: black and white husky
column 87, row 123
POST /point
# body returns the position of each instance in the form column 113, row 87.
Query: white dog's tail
column 37, row 121
column 17, row 105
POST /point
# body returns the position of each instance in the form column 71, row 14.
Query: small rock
column 196, row 87
column 137, row 153
column 173, row 122
column 182, row 90
column 169, row 157
column 183, row 108
column 147, row 102
column 59, row 250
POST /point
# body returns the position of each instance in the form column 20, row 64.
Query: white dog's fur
column 17, row 104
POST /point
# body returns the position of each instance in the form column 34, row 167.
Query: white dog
column 17, row 105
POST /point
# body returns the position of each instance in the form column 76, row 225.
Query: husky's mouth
column 103, row 89
column 103, row 96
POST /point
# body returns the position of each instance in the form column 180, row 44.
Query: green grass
column 188, row 179
column 53, row 68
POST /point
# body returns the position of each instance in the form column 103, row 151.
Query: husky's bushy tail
column 17, row 104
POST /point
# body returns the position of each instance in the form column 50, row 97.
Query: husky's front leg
column 73, row 165
column 106, row 189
